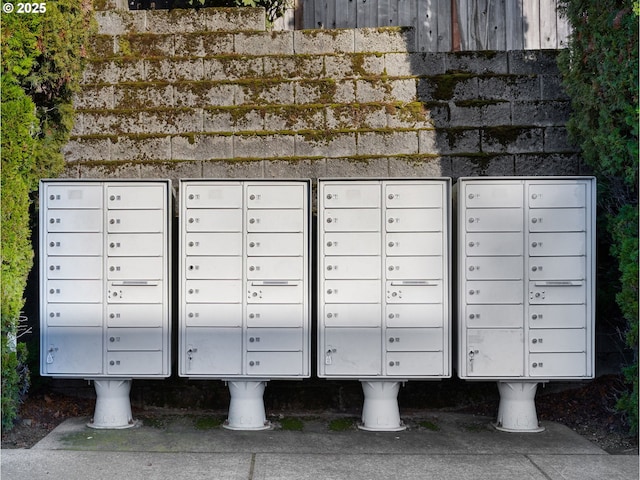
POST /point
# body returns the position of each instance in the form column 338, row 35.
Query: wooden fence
column 443, row 25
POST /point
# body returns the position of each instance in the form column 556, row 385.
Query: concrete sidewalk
column 436, row 446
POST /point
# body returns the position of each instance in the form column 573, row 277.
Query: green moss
column 504, row 135
column 292, row 424
column 445, row 85
column 429, row 425
column 342, row 424
column 207, row 423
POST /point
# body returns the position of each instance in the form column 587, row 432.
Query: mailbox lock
column 52, row 291
column 190, row 314
column 391, row 315
column 52, row 267
column 391, row 220
column 252, row 268
column 52, row 220
column 534, row 269
column 329, row 315
column 112, row 197
column 52, row 244
column 471, row 196
column 112, row 363
column 472, row 268
column 329, row 244
column 471, row 244
column 391, row 268
column 329, row 220
column 471, row 354
column 191, row 197
column 472, row 292
column 391, row 196
column 191, row 291
column 534, row 220
column 252, row 315
column 191, row 244
column 329, row 267
column 52, row 197
column 112, row 245
column 534, row 341
column 534, row 244
column 251, row 340
column 252, row 363
column 391, row 340
column 471, row 220
column 112, row 221
column 191, row 220
column 534, row 196
column 252, row 244
column 112, row 339
column 252, row 220
column 535, row 365
column 252, row 197
column 112, row 315
column 472, row 316
column 329, row 292
column 534, row 317
column 391, row 244
column 329, row 196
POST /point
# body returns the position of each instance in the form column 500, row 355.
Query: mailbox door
column 135, row 196
column 414, row 364
column 400, row 268
column 279, row 315
column 363, row 267
column 221, row 243
column 123, row 268
column 127, row 315
column 75, row 350
column 212, row 351
column 74, row 220
column 138, row 363
column 69, row 268
column 415, row 315
column 135, row 221
column 74, row 314
column 274, row 364
column 276, row 196
column 350, row 195
column 74, row 245
column 494, row 353
column 352, row 351
column 213, row 315
column 220, row 195
column 352, row 244
column 352, row 315
column 213, row 268
column 223, row 220
column 414, row 195
column 351, row 220
column 72, row 195
column 560, row 365
column 284, row 220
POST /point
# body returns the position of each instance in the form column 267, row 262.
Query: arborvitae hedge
column 600, row 71
column 42, row 59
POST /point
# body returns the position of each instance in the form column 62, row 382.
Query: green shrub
column 600, row 71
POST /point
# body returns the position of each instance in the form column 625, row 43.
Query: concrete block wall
column 212, row 93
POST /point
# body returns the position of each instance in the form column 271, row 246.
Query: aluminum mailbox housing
column 104, row 278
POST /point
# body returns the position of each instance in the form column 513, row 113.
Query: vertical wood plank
column 496, row 31
column 405, row 19
column 382, row 14
column 479, row 24
column 331, row 13
column 513, row 25
column 443, row 17
column 427, row 26
column 464, row 8
column 548, row 23
column 531, row 24
column 393, row 13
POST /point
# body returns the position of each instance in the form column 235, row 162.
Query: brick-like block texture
column 207, row 91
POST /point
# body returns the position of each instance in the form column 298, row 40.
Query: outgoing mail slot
column 352, row 220
column 133, row 291
column 282, row 268
column 414, row 267
column 487, row 244
column 557, row 292
column 548, row 365
column 352, row 291
column 274, row 291
column 502, row 195
column 228, row 220
column 494, row 316
column 125, row 315
column 557, row 316
column 353, row 315
column 351, row 195
column 213, row 314
column 274, row 364
column 74, row 314
column 364, row 243
column 213, row 268
column 213, row 196
column 74, row 244
column 493, row 268
column 275, row 220
column 413, row 195
column 135, row 245
column 74, row 268
column 550, row 268
column 557, row 220
column 135, row 196
column 414, row 291
column 213, row 291
column 274, row 339
column 275, row 244
column 414, row 220
column 557, row 244
column 557, row 195
column 133, row 268
column 208, row 351
column 135, row 221
column 278, row 315
column 74, row 291
column 119, row 339
column 490, row 292
column 275, row 196
column 74, row 221
column 352, row 267
column 493, row 220
column 414, row 364
column 413, row 244
column 213, row 243
column 135, row 363
column 416, row 315
column 557, row 340
column 74, row 196
column 414, row 339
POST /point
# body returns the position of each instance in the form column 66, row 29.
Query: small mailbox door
column 275, row 220
column 73, row 291
column 558, row 220
column 352, row 315
column 352, row 291
column 351, row 195
column 275, row 196
column 269, row 268
column 557, row 340
column 415, row 315
column 124, row 268
column 274, row 339
column 125, row 315
column 552, row 268
column 406, row 244
column 274, row 364
column 414, row 220
column 132, row 221
column 557, row 195
column 74, row 245
column 123, row 339
column 557, row 244
column 213, row 268
column 548, row 365
column 74, row 314
column 422, row 267
column 74, row 196
column 134, row 196
column 494, row 292
column 414, row 364
column 274, row 244
column 221, row 243
column 213, row 291
column 494, row 268
column 365, row 268
column 280, row 315
column 493, row 220
column 74, row 268
column 227, row 220
column 74, row 220
column 135, row 245
column 399, row 195
column 414, row 339
column 492, row 244
column 557, row 316
column 228, row 195
column 493, row 195
column 352, row 220
column 494, row 316
column 213, row 315
column 353, row 244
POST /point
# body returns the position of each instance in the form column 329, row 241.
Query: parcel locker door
column 365, row 268
column 351, row 195
column 352, row 351
column 212, row 351
column 408, row 195
column 136, row 221
column 352, row 315
column 400, row 268
column 70, row 268
column 351, row 220
column 133, row 196
column 275, row 196
column 73, row 350
column 74, row 196
column 218, row 195
column 494, row 353
column 413, row 220
column 74, row 220
column 284, row 220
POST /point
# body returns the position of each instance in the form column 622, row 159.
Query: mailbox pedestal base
column 113, row 407
column 246, row 409
column 517, row 411
column 380, row 411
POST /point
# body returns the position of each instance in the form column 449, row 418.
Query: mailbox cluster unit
column 105, row 285
column 525, row 286
column 245, row 310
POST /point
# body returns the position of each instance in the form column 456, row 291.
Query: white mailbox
column 526, row 273
column 105, row 286
column 244, row 289
column 383, row 281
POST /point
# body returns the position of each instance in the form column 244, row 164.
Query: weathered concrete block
column 512, row 139
column 552, row 113
column 85, row 149
column 203, row 44
column 345, row 92
column 552, row 88
column 111, row 71
column 176, row 21
column 94, row 97
column 232, row 68
column 388, row 143
column 101, row 46
column 374, row 90
column 173, row 170
column 218, row 120
column 477, row 62
column 408, row 115
column 292, row 67
column 170, row 121
column 353, row 65
column 174, row 70
column 427, row 142
column 110, row 170
column 194, row 94
column 233, row 169
column 263, row 146
column 111, row 122
column 482, row 165
column 457, row 141
column 384, row 39
column 144, row 45
column 142, row 96
column 306, row 168
column 121, row 22
column 357, row 116
column 480, row 113
column 264, row 43
column 351, row 167
column 315, row 91
column 78, row 125
column 548, row 164
column 315, row 42
column 522, row 62
column 235, row 19
column 444, row 88
column 419, row 166
column 415, row 64
column 294, row 118
column 201, row 147
column 439, row 113
column 509, row 87
column 248, row 119
column 556, row 139
column 141, row 148
column 325, row 144
column 265, row 92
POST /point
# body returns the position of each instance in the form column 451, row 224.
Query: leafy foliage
column 274, row 9
column 600, row 72
column 41, row 67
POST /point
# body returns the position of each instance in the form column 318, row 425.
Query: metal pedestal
column 246, row 409
column 113, row 407
column 517, row 411
column 380, row 411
